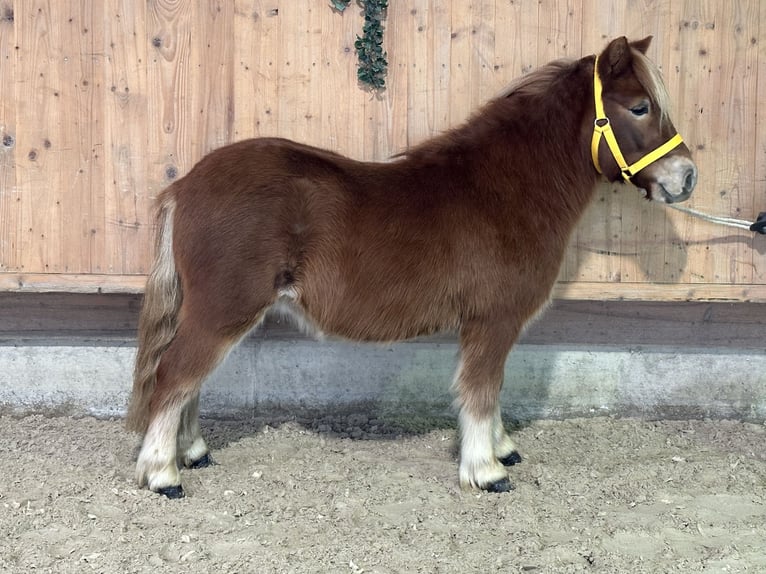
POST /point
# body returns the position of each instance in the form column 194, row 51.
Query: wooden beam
column 589, row 291
column 68, row 316
column 71, row 283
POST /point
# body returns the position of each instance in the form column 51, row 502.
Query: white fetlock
column 501, row 442
column 155, row 472
column 479, row 468
column 195, row 452
column 156, row 466
column 482, row 476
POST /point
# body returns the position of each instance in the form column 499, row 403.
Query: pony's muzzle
column 689, row 182
column 675, row 180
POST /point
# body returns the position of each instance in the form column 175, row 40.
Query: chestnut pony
column 464, row 232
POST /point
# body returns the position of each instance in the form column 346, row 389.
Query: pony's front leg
column 479, row 468
column 484, row 348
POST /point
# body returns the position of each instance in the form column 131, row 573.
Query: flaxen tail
column 158, row 321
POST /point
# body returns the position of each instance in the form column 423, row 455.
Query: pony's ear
column 616, row 58
column 642, row 45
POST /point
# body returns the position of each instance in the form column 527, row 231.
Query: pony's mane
column 536, row 81
column 647, row 73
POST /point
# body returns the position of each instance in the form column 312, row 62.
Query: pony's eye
column 640, row 110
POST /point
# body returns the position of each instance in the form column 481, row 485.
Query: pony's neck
column 545, row 121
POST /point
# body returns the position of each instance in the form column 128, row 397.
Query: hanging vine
column 373, row 65
column 340, row 5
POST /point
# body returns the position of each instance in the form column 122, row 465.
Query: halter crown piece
column 603, row 127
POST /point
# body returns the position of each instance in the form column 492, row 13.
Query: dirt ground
column 354, row 494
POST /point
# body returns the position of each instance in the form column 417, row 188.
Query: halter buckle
column 600, row 123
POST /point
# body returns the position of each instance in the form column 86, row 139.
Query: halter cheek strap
column 602, row 127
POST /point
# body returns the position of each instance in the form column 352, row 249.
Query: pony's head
column 633, row 138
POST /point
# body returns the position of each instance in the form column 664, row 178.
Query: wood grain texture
column 171, row 81
column 10, row 196
column 36, row 91
column 74, row 283
column 292, row 76
column 759, row 137
column 256, row 84
column 385, row 113
column 418, row 36
column 439, row 93
column 460, row 62
column 211, row 59
column 60, row 136
column 102, row 104
column 127, row 203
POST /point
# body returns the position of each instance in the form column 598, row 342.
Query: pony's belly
column 366, row 321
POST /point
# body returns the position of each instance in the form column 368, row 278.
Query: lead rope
column 758, row 226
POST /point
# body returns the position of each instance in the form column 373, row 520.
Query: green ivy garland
column 373, row 65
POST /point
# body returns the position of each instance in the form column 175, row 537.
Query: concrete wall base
column 93, row 376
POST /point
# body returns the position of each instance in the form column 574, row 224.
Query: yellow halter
column 602, row 127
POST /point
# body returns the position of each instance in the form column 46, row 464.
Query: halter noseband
column 602, row 127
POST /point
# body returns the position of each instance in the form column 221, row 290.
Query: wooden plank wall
column 103, row 103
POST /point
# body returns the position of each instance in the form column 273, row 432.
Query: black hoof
column 502, row 485
column 172, row 491
column 511, row 459
column 204, row 461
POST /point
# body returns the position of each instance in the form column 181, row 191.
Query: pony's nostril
column 690, row 179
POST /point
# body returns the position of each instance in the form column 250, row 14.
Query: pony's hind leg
column 191, row 356
column 484, row 348
column 192, row 449
column 156, row 466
